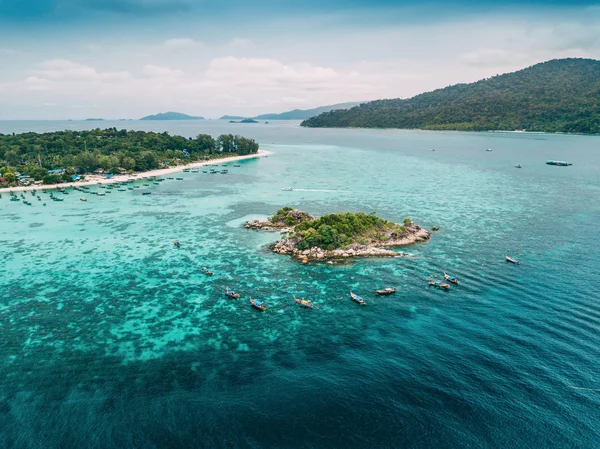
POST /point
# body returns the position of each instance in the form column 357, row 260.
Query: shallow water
column 114, row 338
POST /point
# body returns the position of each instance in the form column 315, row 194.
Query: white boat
column 287, row 189
column 83, row 198
column 489, row 149
column 518, row 166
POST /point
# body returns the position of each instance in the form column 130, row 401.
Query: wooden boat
column 559, row 163
column 358, row 299
column 176, row 243
column 511, row 260
column 146, row 193
column 236, row 165
column 439, row 284
column 305, row 303
column 179, row 179
column 386, row 291
column 207, row 271
column 449, row 278
column 257, row 304
column 231, row 294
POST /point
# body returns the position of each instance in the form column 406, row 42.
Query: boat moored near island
column 357, row 299
column 386, row 291
column 257, row 304
column 449, row 278
column 439, row 284
column 511, row 260
column 231, row 294
column 305, row 303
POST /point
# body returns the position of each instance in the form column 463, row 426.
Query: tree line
column 112, row 150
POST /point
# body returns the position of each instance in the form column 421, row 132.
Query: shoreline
column 134, row 176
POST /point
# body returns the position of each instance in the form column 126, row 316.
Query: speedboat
column 518, row 166
column 511, row 260
column 83, row 198
column 287, row 189
column 488, row 149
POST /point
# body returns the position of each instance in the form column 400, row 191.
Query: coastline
column 97, row 179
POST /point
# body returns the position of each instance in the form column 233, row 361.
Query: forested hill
column 562, row 95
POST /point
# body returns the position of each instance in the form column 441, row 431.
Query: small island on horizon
column 171, row 116
column 246, row 120
column 338, row 236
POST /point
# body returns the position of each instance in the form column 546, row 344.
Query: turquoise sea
column 112, row 337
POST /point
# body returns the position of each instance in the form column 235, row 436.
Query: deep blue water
column 113, row 338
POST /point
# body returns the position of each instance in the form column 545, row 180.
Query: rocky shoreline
column 289, row 245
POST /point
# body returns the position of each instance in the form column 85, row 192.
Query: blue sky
column 64, row 59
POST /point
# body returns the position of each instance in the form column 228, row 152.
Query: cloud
column 155, row 71
column 268, row 72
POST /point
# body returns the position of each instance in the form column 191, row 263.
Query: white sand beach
column 101, row 179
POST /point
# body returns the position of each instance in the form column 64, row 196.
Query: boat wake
column 319, row 190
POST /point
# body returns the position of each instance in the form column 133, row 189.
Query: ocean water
column 112, row 337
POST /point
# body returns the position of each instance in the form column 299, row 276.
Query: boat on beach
column 231, row 294
column 511, row 260
column 439, row 284
column 449, row 278
column 257, row 304
column 305, row 303
column 357, row 299
column 386, row 291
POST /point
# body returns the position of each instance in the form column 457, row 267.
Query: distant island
column 94, row 119
column 338, row 235
column 562, row 95
column 171, row 116
column 231, row 117
column 296, row 114
column 246, row 120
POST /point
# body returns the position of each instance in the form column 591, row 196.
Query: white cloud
column 155, row 71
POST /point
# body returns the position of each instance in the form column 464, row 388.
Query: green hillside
column 561, row 95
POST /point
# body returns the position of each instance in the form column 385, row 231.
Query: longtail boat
column 305, row 303
column 511, row 260
column 257, row 304
column 176, row 243
column 231, row 294
column 439, row 284
column 207, row 271
column 358, row 299
column 449, row 278
column 386, row 291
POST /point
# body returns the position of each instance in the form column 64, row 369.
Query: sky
column 77, row 59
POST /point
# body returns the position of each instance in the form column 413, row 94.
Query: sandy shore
column 91, row 180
